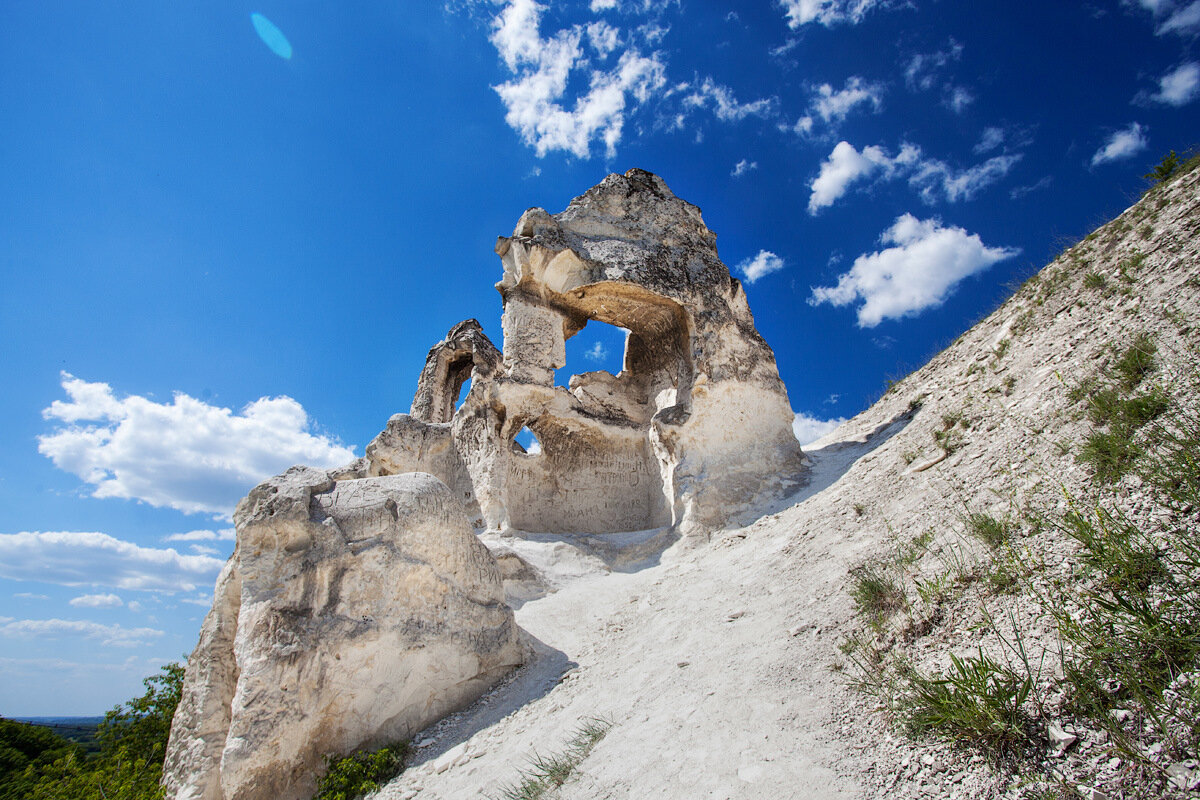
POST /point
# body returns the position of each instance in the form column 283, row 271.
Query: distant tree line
column 38, row 764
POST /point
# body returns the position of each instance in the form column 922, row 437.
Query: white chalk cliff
column 359, row 605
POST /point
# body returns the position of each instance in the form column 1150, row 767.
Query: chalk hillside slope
column 719, row 665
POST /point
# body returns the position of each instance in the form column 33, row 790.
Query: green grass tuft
column 547, row 773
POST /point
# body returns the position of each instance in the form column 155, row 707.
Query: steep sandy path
column 713, row 668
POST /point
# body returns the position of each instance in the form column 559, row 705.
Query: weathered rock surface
column 352, row 613
column 694, row 430
column 359, row 606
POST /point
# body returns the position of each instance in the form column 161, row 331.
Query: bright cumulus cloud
column 536, row 97
column 185, row 454
column 762, row 264
column 810, row 429
column 933, row 178
column 1124, row 143
column 920, row 271
column 108, row 635
column 96, row 559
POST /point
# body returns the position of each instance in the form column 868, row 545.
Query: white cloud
column 185, row 454
column 31, row 596
column 989, row 140
column 921, row 72
column 742, row 167
column 1173, row 17
column 603, row 38
column 934, row 179
column 827, row 12
column 597, row 352
column 843, row 166
column 919, row 272
column 804, row 125
column 1020, row 191
column 602, row 5
column 535, row 99
column 762, row 264
column 958, row 98
column 97, row 601
column 1180, row 86
column 224, row 535
column 725, row 105
column 1124, row 143
column 97, row 559
column 833, row 105
column 1184, row 20
column 810, row 429
column 109, row 635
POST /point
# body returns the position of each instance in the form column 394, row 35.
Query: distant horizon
column 233, row 232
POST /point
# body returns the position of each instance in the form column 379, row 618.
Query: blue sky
column 230, row 232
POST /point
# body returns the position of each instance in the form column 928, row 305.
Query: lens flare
column 272, row 37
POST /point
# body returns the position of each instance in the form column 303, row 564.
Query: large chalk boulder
column 352, row 613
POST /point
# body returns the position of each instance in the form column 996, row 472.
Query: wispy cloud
column 223, row 535
column 1122, row 144
column 958, row 98
column 923, row 70
column 933, row 178
column 185, row 454
column 742, row 167
column 832, row 106
column 989, row 140
column 762, row 264
column 724, row 103
column 597, row 352
column 828, row 12
column 107, row 635
column 1172, row 16
column 97, row 559
column 919, row 272
column 1180, row 86
column 97, row 601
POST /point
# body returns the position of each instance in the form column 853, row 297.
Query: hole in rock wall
column 462, row 394
column 597, row 347
column 527, row 443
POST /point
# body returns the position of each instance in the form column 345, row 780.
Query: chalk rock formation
column 353, row 613
column 694, row 430
column 359, row 606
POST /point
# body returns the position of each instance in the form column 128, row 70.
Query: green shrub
column 1094, row 280
column 1110, row 455
column 357, row 774
column 1135, row 363
column 876, row 593
column 989, row 530
column 978, row 702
